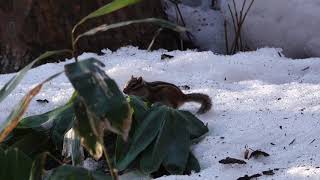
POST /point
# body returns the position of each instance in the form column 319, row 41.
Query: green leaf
column 106, row 9
column 50, row 126
column 32, row 143
column 37, row 168
column 15, row 165
column 170, row 148
column 139, row 107
column 192, row 164
column 106, row 27
column 15, row 80
column 145, row 133
column 15, row 116
column 67, row 172
column 195, row 127
column 44, row 132
column 162, row 138
column 140, row 110
column 84, row 127
column 105, row 104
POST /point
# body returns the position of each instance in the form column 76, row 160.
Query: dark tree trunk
column 31, row 27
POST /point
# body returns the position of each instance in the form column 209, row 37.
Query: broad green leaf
column 89, row 130
column 15, row 80
column 106, row 27
column 145, row 133
column 104, row 103
column 62, row 113
column 37, row 168
column 106, row 9
column 195, row 127
column 162, row 138
column 15, row 116
column 68, row 172
column 15, row 165
column 140, row 110
column 192, row 164
column 51, row 125
column 32, row 143
column 170, row 148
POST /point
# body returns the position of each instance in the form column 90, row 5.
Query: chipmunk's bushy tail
column 203, row 99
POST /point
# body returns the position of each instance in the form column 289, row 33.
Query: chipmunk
column 166, row 93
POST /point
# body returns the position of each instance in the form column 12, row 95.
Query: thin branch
column 241, row 16
column 179, row 15
column 226, row 36
column 234, row 28
column 245, row 15
column 242, row 21
column 232, row 16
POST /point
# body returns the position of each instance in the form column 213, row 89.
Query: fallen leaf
column 258, row 153
column 230, row 160
column 269, row 172
column 246, row 177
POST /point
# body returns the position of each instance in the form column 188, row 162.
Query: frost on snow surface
column 260, row 100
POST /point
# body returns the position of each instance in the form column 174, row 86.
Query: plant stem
column 113, row 173
column 73, row 47
column 154, row 38
column 226, row 36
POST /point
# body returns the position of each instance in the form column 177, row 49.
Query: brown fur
column 166, row 93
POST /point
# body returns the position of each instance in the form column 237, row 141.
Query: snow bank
column 205, row 24
column 292, row 25
column 260, row 100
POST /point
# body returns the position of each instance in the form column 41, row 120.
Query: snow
column 205, row 24
column 292, row 25
column 258, row 97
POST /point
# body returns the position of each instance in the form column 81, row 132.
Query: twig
column 179, row 15
column 241, row 13
column 234, row 27
column 245, row 15
column 226, row 36
column 238, row 21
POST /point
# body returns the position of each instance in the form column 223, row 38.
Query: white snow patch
column 289, row 24
column 205, row 24
column 258, row 98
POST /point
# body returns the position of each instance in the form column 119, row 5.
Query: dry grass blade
column 12, row 121
column 106, row 27
column 154, row 38
column 106, row 9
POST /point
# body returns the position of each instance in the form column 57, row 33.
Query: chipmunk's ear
column 132, row 77
column 140, row 79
